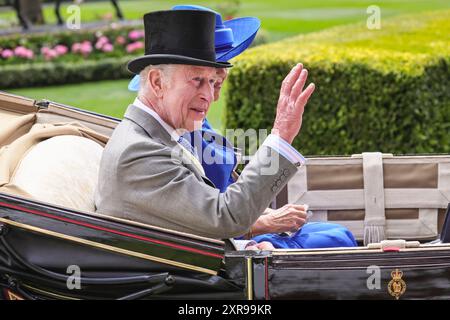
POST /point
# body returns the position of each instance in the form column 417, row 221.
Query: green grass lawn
column 280, row 19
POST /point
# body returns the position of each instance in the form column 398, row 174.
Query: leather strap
column 373, row 197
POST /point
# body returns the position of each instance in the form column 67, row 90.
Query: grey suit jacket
column 144, row 177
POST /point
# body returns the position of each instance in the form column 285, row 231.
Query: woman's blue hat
column 232, row 37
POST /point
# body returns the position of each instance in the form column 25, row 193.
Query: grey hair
column 166, row 70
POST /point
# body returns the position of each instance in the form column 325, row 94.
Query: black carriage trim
column 176, row 249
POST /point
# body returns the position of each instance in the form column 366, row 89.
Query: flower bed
column 71, row 46
column 68, row 57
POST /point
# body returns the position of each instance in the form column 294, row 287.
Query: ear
column 155, row 82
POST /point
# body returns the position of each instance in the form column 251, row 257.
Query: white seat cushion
column 62, row 170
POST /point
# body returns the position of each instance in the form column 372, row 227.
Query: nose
column 207, row 91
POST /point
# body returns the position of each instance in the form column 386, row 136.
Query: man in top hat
column 232, row 37
column 150, row 173
column 275, row 226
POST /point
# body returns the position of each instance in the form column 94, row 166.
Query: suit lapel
column 153, row 128
column 156, row 131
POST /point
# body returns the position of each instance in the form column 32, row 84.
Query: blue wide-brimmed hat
column 232, row 37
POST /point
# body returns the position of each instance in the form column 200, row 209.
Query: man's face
column 188, row 96
column 222, row 74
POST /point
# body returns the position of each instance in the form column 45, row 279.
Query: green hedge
column 50, row 73
column 376, row 90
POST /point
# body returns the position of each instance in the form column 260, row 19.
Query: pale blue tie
column 186, row 144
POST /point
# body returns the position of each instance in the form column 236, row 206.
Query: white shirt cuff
column 285, row 149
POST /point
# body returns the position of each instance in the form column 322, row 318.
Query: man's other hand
column 291, row 103
column 288, row 218
column 265, row 245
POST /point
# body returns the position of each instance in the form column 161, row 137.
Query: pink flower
column 23, row 52
column 61, row 49
column 134, row 46
column 103, row 39
column 136, row 34
column 19, row 51
column 44, row 50
column 76, row 47
column 7, row 53
column 29, row 54
column 101, row 42
column 50, row 54
column 139, row 45
column 86, row 48
column 108, row 47
column 121, row 40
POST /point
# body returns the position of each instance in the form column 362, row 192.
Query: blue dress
column 310, row 235
column 213, row 146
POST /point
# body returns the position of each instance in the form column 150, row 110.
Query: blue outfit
column 215, row 147
column 311, row 235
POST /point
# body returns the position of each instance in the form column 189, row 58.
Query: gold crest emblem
column 396, row 286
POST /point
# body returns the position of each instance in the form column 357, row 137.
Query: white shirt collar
column 173, row 133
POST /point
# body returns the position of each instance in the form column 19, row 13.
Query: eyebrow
column 214, row 77
column 199, row 72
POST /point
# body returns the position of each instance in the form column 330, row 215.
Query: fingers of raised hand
column 299, row 84
column 303, row 98
column 291, row 79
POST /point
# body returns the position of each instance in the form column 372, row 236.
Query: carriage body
column 43, row 245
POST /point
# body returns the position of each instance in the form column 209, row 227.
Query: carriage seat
column 61, row 170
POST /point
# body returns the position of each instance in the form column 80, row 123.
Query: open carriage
column 64, row 250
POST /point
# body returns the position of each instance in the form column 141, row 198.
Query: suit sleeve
column 163, row 188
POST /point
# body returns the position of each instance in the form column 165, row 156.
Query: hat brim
column 244, row 32
column 139, row 64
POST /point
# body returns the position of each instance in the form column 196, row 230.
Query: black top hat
column 178, row 37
